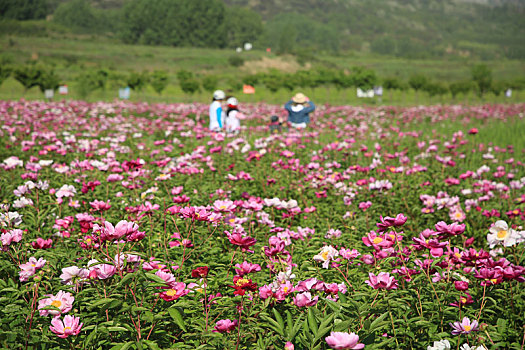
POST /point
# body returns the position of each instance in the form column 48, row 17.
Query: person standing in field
column 231, row 120
column 298, row 109
column 216, row 110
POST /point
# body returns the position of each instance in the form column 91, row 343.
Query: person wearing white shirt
column 232, row 123
column 216, row 111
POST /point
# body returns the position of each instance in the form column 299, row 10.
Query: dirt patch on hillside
column 285, row 64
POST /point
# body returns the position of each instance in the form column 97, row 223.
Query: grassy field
column 72, row 55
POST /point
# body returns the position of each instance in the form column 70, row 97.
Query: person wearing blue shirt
column 216, row 110
column 298, row 109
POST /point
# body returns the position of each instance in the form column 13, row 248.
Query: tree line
column 45, row 78
column 410, row 29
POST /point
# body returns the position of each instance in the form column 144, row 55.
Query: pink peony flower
column 63, row 301
column 464, row 327
column 305, row 299
column 63, row 329
column 342, row 340
column 41, row 243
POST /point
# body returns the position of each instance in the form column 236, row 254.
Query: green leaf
column 279, row 319
column 376, row 323
column 312, row 322
column 177, row 317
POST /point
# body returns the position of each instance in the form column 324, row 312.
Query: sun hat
column 299, row 98
column 219, row 95
column 232, row 102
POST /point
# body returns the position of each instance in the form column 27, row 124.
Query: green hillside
column 477, row 29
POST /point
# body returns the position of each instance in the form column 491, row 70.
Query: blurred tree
column 28, row 75
column 364, row 78
column 137, row 81
column 252, row 79
column 460, row 87
column 159, row 80
column 23, row 9
column 417, row 82
column 76, row 14
column 174, row 22
column 242, row 26
column 48, row 80
column 392, row 83
column 189, row 86
column 482, row 77
column 90, row 81
column 5, row 72
column 498, row 87
column 209, row 83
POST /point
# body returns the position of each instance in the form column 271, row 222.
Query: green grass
column 70, row 55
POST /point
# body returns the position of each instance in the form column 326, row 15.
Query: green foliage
column 235, row 61
column 159, row 81
column 174, row 22
column 28, row 75
column 210, row 83
column 23, row 9
column 460, row 87
column 364, row 78
column 90, row 81
column 392, row 83
column 5, row 71
column 48, row 80
column 243, row 26
column 187, row 82
column 417, row 81
column 77, row 14
column 137, row 81
column 482, row 77
column 435, row 89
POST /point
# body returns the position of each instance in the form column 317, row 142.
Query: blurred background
column 417, row 51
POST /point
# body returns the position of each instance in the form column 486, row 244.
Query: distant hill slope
column 482, row 28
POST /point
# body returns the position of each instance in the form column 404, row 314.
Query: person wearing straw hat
column 216, row 110
column 298, row 109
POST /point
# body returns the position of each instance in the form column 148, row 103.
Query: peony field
column 132, row 226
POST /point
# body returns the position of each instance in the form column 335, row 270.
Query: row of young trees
column 481, row 82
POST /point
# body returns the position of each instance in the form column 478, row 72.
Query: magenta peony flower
column 225, row 326
column 342, row 340
column 305, row 299
column 70, row 326
column 382, row 281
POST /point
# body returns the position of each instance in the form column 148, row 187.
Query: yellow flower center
column 467, row 327
column 324, row 255
column 463, row 300
column 502, row 234
column 286, row 289
column 494, row 280
column 458, row 215
column 377, row 240
column 67, row 328
column 171, row 292
column 56, row 303
column 458, row 255
column 33, row 265
column 516, row 211
column 222, row 207
column 242, row 281
column 88, row 241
